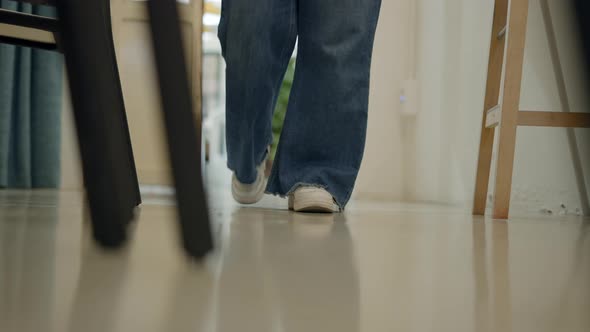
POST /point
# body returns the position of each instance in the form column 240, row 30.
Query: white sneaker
column 312, row 199
column 250, row 193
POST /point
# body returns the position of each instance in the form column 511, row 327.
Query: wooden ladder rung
column 540, row 119
column 554, row 119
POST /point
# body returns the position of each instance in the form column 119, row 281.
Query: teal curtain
column 30, row 111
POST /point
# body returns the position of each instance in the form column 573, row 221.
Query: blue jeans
column 324, row 133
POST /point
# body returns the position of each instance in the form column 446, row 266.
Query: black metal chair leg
column 183, row 141
column 129, row 163
column 104, row 143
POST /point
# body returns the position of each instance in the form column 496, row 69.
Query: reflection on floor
column 378, row 267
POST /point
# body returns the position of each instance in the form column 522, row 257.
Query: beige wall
column 452, row 51
column 381, row 173
column 142, row 102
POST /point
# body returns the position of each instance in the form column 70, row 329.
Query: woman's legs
column 323, row 138
column 257, row 39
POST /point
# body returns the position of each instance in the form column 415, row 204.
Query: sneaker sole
column 246, row 197
column 312, row 201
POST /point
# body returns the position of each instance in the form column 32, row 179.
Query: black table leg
column 129, row 163
column 107, row 160
column 183, row 141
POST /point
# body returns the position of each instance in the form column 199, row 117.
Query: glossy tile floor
column 379, row 267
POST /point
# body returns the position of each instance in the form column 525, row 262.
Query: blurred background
column 406, row 256
column 428, row 85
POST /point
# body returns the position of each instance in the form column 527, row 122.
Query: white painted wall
column 381, row 173
column 441, row 144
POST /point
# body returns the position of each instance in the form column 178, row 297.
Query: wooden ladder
column 507, row 45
